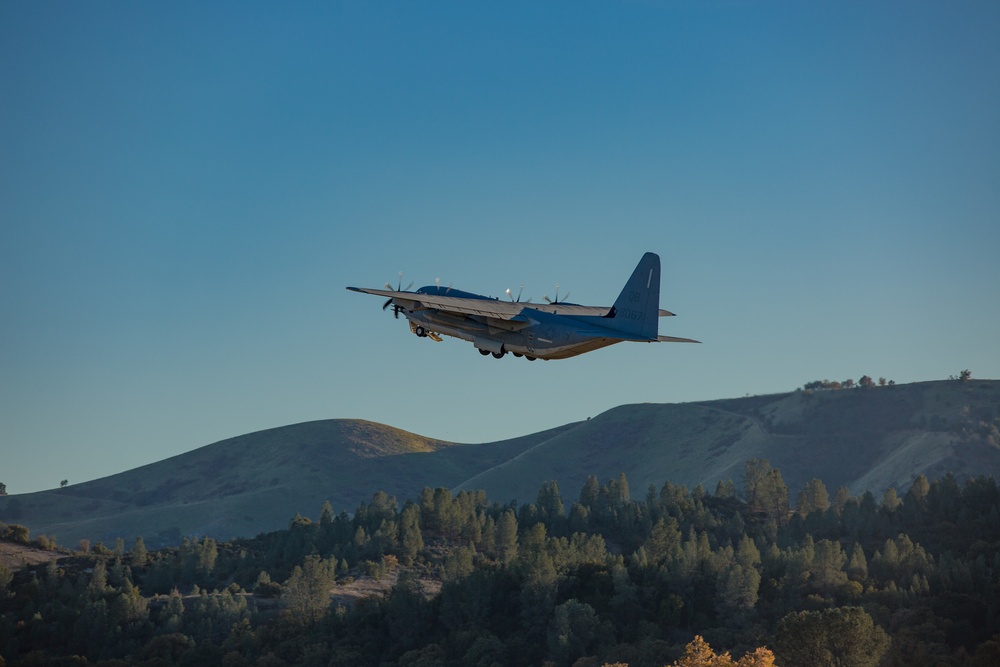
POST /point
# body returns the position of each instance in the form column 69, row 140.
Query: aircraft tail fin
column 637, row 309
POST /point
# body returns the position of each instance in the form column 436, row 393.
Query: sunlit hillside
column 866, row 439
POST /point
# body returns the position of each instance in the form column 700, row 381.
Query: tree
column 620, row 492
column 754, row 473
column 307, row 591
column 857, row 568
column 766, row 491
column 725, row 489
column 664, row 539
column 890, row 500
column 410, row 537
column 458, row 564
column 549, row 502
column 590, row 492
column 62, row 484
column 965, row 375
column 326, row 515
column 813, row 498
column 15, row 532
column 838, row 637
column 3, row 489
column 506, row 542
column 737, row 588
column 866, row 382
column 920, row 487
column 571, row 631
column 139, row 552
column 6, row 576
column 826, row 571
column 265, row 588
column 698, row 653
column 840, row 499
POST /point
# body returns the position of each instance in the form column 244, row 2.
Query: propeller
column 519, row 292
column 556, row 300
column 437, row 281
column 399, row 288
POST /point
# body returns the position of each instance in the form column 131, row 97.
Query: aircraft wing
column 578, row 310
column 496, row 308
column 568, row 309
column 501, row 310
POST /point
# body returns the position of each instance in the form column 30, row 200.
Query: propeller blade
column 399, row 284
column 386, row 304
column 557, row 300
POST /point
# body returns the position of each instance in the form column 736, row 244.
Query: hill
column 256, row 482
column 866, row 439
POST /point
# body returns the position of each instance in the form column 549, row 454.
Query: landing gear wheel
column 420, row 331
column 499, row 355
column 530, row 358
column 484, row 352
column 517, row 354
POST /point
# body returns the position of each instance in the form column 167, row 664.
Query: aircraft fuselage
column 556, row 330
column 544, row 336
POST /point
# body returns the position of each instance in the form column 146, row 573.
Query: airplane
column 554, row 330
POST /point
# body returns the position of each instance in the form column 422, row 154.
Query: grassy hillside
column 865, row 439
column 255, row 482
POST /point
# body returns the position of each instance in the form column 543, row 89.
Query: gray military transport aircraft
column 554, row 330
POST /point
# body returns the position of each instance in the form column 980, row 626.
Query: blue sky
column 186, row 189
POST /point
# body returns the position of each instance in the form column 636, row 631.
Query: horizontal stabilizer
column 674, row 339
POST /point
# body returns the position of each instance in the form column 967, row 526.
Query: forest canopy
column 677, row 576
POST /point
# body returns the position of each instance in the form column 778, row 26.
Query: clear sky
column 186, row 188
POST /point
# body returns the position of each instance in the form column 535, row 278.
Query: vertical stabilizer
column 638, row 306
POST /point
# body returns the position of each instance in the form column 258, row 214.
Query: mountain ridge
column 866, row 439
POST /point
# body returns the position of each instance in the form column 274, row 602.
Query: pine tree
column 410, row 537
column 139, row 553
column 506, row 541
column 307, row 591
